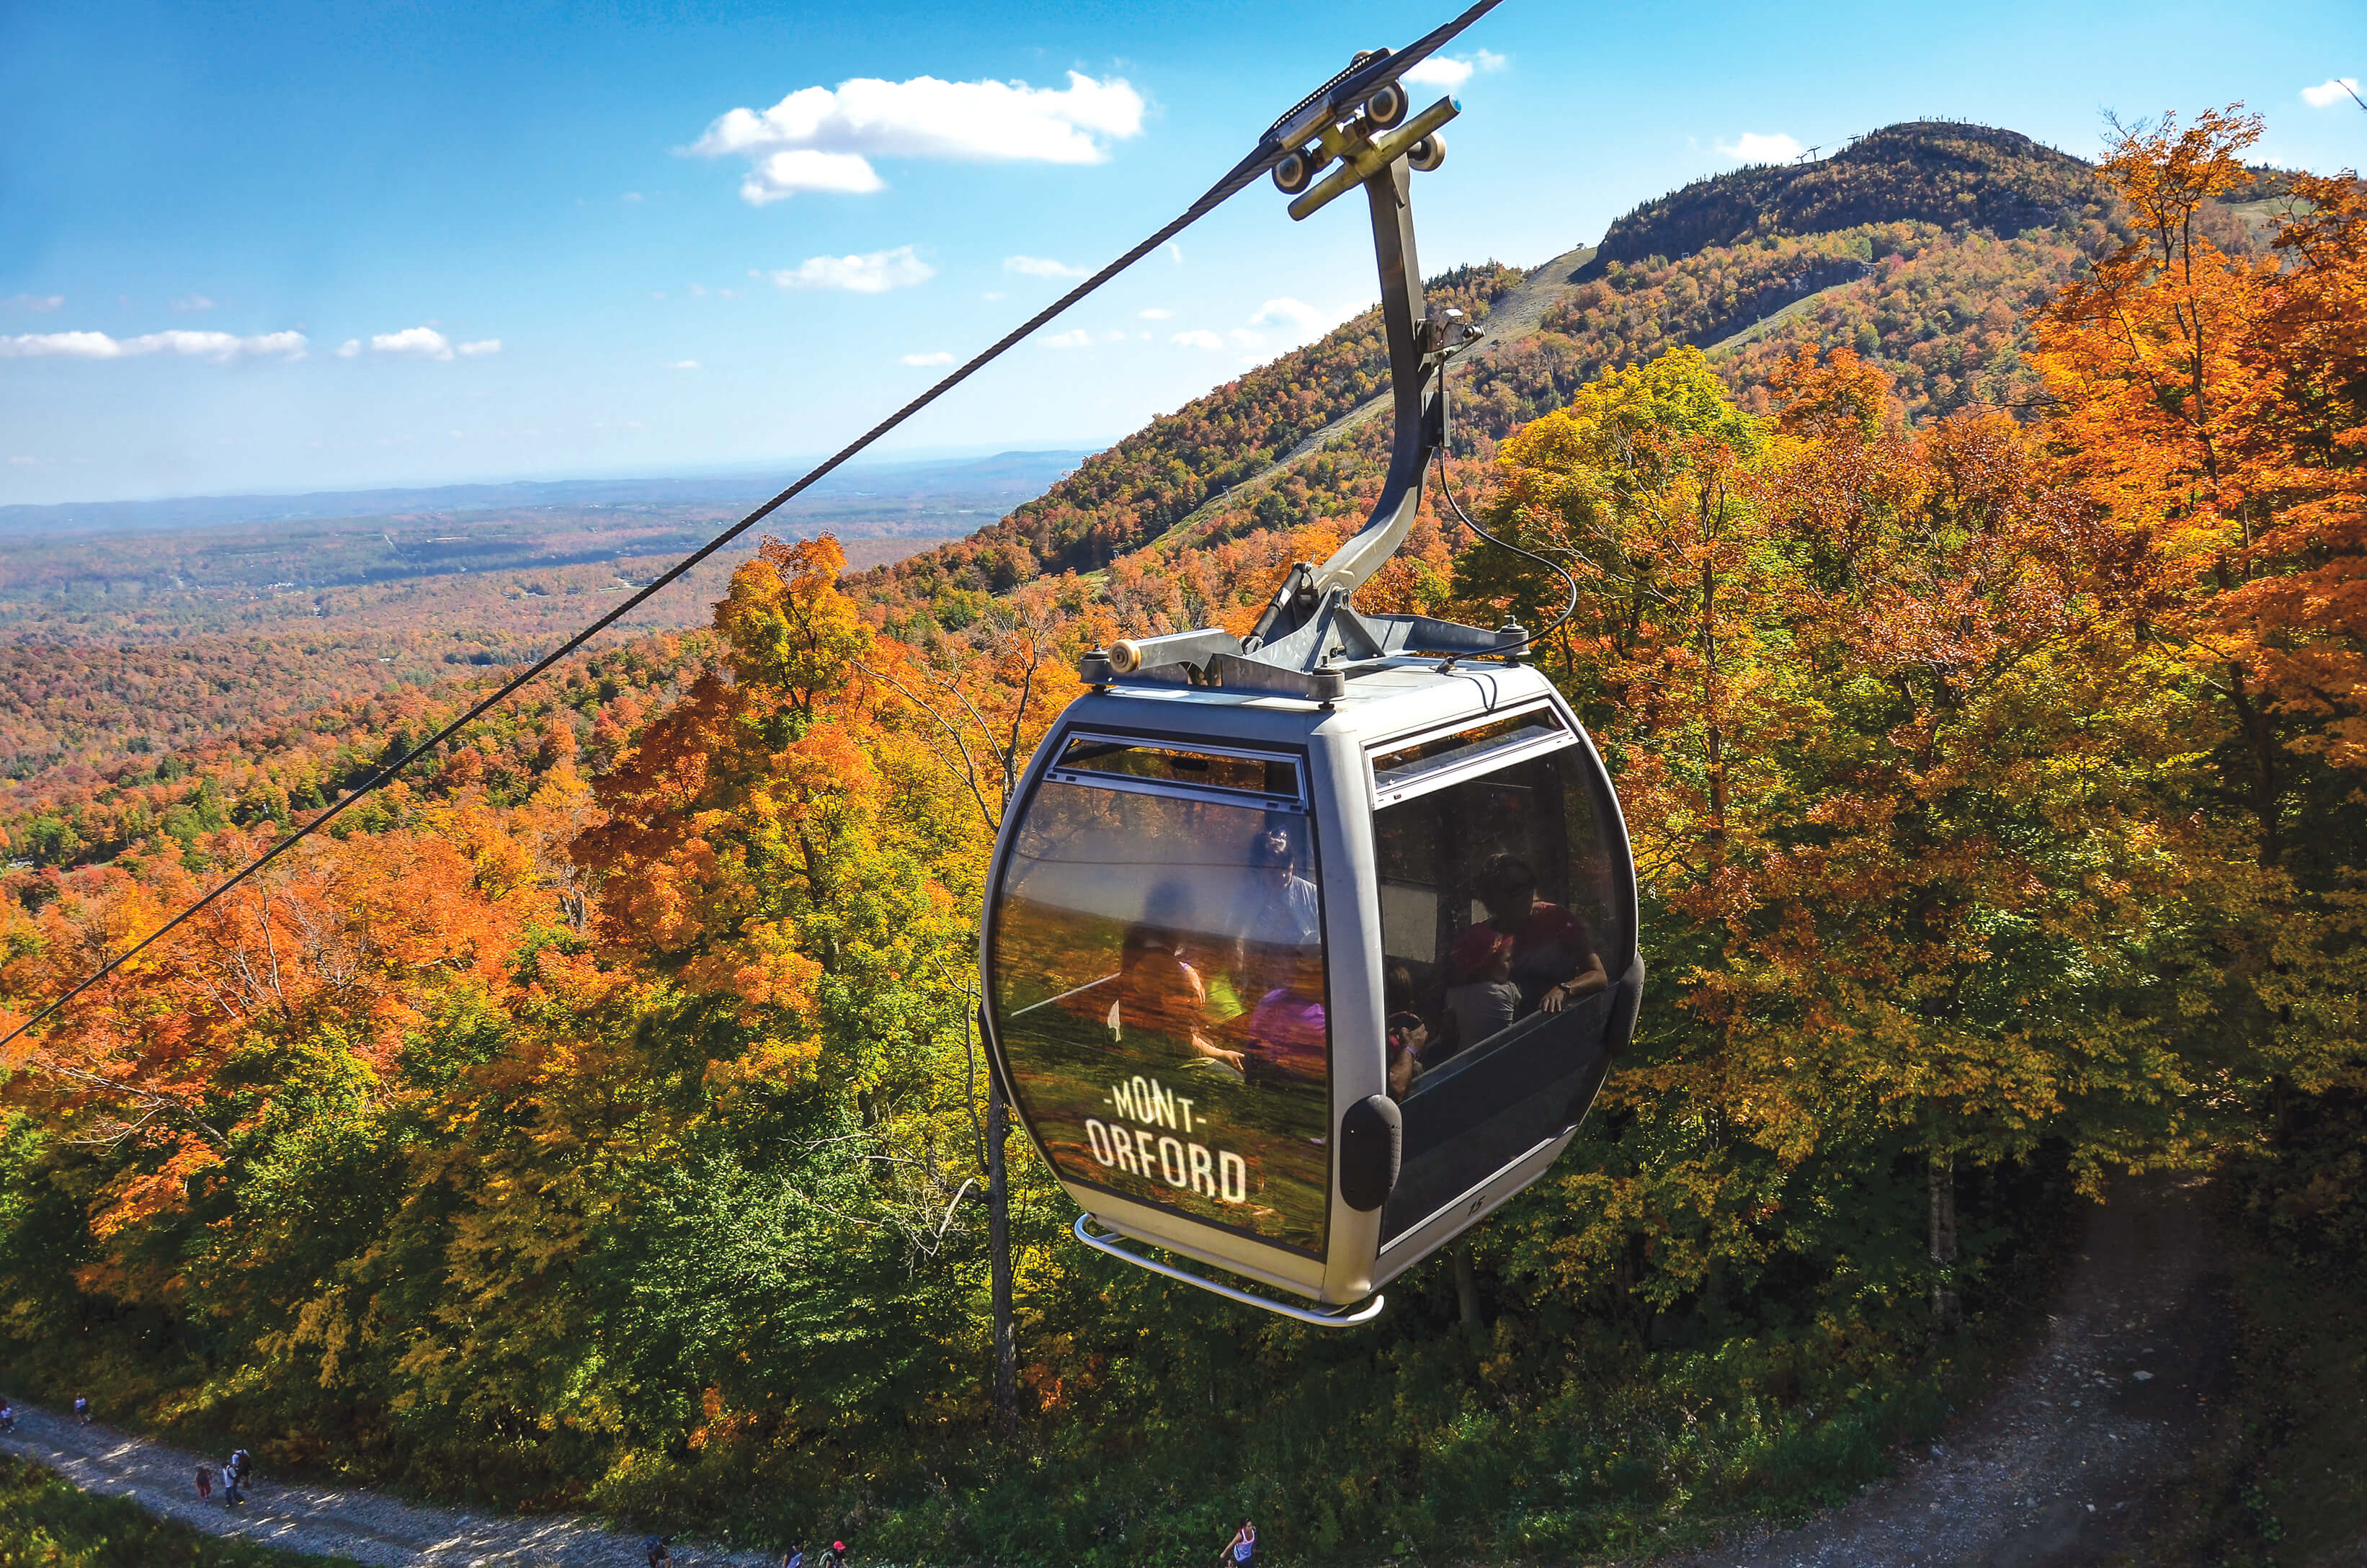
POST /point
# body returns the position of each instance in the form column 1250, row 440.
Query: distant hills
column 1921, row 247
column 887, row 492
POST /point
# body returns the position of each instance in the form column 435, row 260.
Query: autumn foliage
column 600, row 1120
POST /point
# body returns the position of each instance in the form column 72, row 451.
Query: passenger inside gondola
column 1408, row 1035
column 1488, row 1000
column 1540, row 949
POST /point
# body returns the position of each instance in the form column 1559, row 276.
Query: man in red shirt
column 1554, row 958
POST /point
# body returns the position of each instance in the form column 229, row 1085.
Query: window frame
column 1134, row 783
column 1448, row 774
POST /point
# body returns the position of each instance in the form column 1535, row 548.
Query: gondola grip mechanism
column 1358, row 164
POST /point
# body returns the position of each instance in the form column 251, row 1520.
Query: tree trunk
column 1466, row 1292
column 998, row 1247
column 1947, row 1311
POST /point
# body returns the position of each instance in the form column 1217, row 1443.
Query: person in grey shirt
column 1285, row 912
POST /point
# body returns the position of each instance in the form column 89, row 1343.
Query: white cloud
column 780, row 176
column 23, row 463
column 939, row 357
column 1447, row 70
column 413, row 343
column 873, row 274
column 1751, row 147
column 480, row 347
column 1037, row 267
column 1198, row 338
column 1289, row 313
column 1156, row 313
column 631, row 196
column 1080, row 338
column 349, row 348
column 34, row 301
column 2332, row 91
column 193, row 302
column 1244, row 338
column 994, row 294
column 1175, row 251
column 222, row 348
column 684, row 365
column 823, row 137
column 1439, row 71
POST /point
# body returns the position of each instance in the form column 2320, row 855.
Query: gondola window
column 1502, row 932
column 1160, row 985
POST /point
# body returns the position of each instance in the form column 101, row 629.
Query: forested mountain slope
column 1919, row 246
column 1927, row 171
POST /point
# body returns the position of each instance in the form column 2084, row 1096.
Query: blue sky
column 545, row 250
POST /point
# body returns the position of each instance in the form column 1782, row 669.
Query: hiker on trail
column 205, row 1482
column 659, row 1554
column 1243, row 1548
column 232, row 1497
column 8, row 1416
column 795, row 1557
column 240, row 1462
column 82, row 1410
column 837, row 1556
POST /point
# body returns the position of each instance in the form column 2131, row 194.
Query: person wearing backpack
column 661, row 1555
column 232, row 1496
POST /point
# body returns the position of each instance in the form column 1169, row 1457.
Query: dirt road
column 345, row 1521
column 2080, row 1456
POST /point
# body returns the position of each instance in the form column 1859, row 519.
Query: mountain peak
column 1945, row 172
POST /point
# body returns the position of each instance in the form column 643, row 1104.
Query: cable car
column 1304, row 950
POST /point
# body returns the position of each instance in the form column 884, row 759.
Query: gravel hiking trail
column 339, row 1521
column 2087, row 1452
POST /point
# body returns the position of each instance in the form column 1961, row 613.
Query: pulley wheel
column 1291, row 174
column 1427, row 153
column 1386, row 108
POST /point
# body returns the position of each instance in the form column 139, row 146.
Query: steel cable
column 1267, row 154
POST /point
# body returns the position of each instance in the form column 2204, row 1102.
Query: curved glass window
column 1504, row 929
column 1158, row 989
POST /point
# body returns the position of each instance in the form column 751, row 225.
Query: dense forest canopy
column 1973, row 621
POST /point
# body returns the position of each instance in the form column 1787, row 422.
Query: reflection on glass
column 1159, row 995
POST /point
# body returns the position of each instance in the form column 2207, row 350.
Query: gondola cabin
column 1302, row 950
column 1302, row 989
